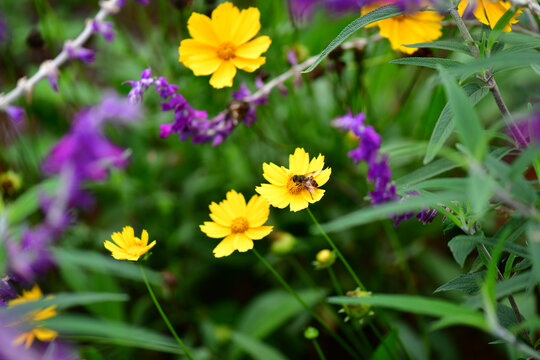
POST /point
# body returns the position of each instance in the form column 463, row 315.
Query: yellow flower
column 222, row 44
column 297, row 186
column 489, row 12
column 38, row 332
column 128, row 247
column 239, row 224
column 421, row 26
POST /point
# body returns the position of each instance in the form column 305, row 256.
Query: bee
column 307, row 181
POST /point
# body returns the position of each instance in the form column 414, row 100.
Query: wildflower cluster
column 83, row 154
column 190, row 122
column 379, row 172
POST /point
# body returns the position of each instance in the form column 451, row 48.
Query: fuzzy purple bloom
column 379, row 172
column 15, row 113
column 7, row 291
column 104, row 28
column 80, row 53
column 527, row 131
column 190, row 122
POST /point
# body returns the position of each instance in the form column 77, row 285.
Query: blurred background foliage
column 166, row 189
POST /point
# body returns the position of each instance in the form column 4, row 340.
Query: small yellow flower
column 127, row 246
column 223, row 43
column 297, row 186
column 239, row 224
column 489, row 12
column 421, row 26
column 38, row 332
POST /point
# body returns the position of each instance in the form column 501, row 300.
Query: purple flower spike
column 527, row 131
column 104, row 28
column 15, row 113
column 379, row 173
column 80, row 53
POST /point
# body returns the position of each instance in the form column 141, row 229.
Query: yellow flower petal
column 223, row 17
column 257, row 233
column 257, row 211
column 213, row 230
column 223, row 76
column 220, row 215
column 46, row 335
column 277, row 196
column 274, row 174
column 254, row 48
column 200, row 28
column 237, row 203
column 248, row 65
column 298, row 202
column 316, row 164
column 246, row 27
column 299, row 162
column 242, row 243
column 322, row 178
column 313, row 198
column 129, row 235
column 225, row 247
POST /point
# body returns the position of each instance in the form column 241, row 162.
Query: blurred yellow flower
column 239, row 224
column 128, row 247
column 38, row 332
column 222, row 44
column 489, row 12
column 418, row 27
column 297, row 186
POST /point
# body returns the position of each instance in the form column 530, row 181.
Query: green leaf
column 382, row 211
column 271, row 310
column 533, row 235
column 503, row 60
column 383, row 12
column 431, row 170
column 462, row 245
column 503, row 288
column 468, row 283
column 455, row 184
column 432, row 63
column 112, row 333
column 389, row 348
column 416, row 305
column 468, row 125
column 255, row 348
column 497, row 30
column 445, row 123
column 479, row 191
column 64, row 300
column 105, row 264
column 443, row 45
column 28, row 202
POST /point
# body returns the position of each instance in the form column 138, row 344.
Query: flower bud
column 311, row 333
column 324, row 259
column 357, row 311
column 10, row 182
column 282, row 243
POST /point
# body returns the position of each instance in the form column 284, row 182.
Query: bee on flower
column 237, row 223
column 296, row 186
column 38, row 332
column 223, row 43
column 128, row 247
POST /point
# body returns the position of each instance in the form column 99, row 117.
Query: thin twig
column 25, row 86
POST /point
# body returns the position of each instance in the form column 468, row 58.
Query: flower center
column 294, row 187
column 239, row 225
column 226, row 51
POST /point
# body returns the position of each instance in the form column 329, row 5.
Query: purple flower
column 15, row 113
column 379, row 173
column 3, row 29
column 527, row 131
column 80, row 53
column 192, row 123
column 344, row 6
column 52, row 74
column 7, row 291
column 104, row 28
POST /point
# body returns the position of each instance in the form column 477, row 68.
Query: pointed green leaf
column 384, row 12
column 432, row 63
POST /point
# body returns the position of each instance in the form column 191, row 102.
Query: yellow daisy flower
column 239, row 224
column 489, row 12
column 38, row 332
column 128, row 247
column 223, row 43
column 421, row 26
column 297, row 186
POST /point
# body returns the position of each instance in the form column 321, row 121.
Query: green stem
column 184, row 348
column 339, row 254
column 306, row 306
column 318, row 349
